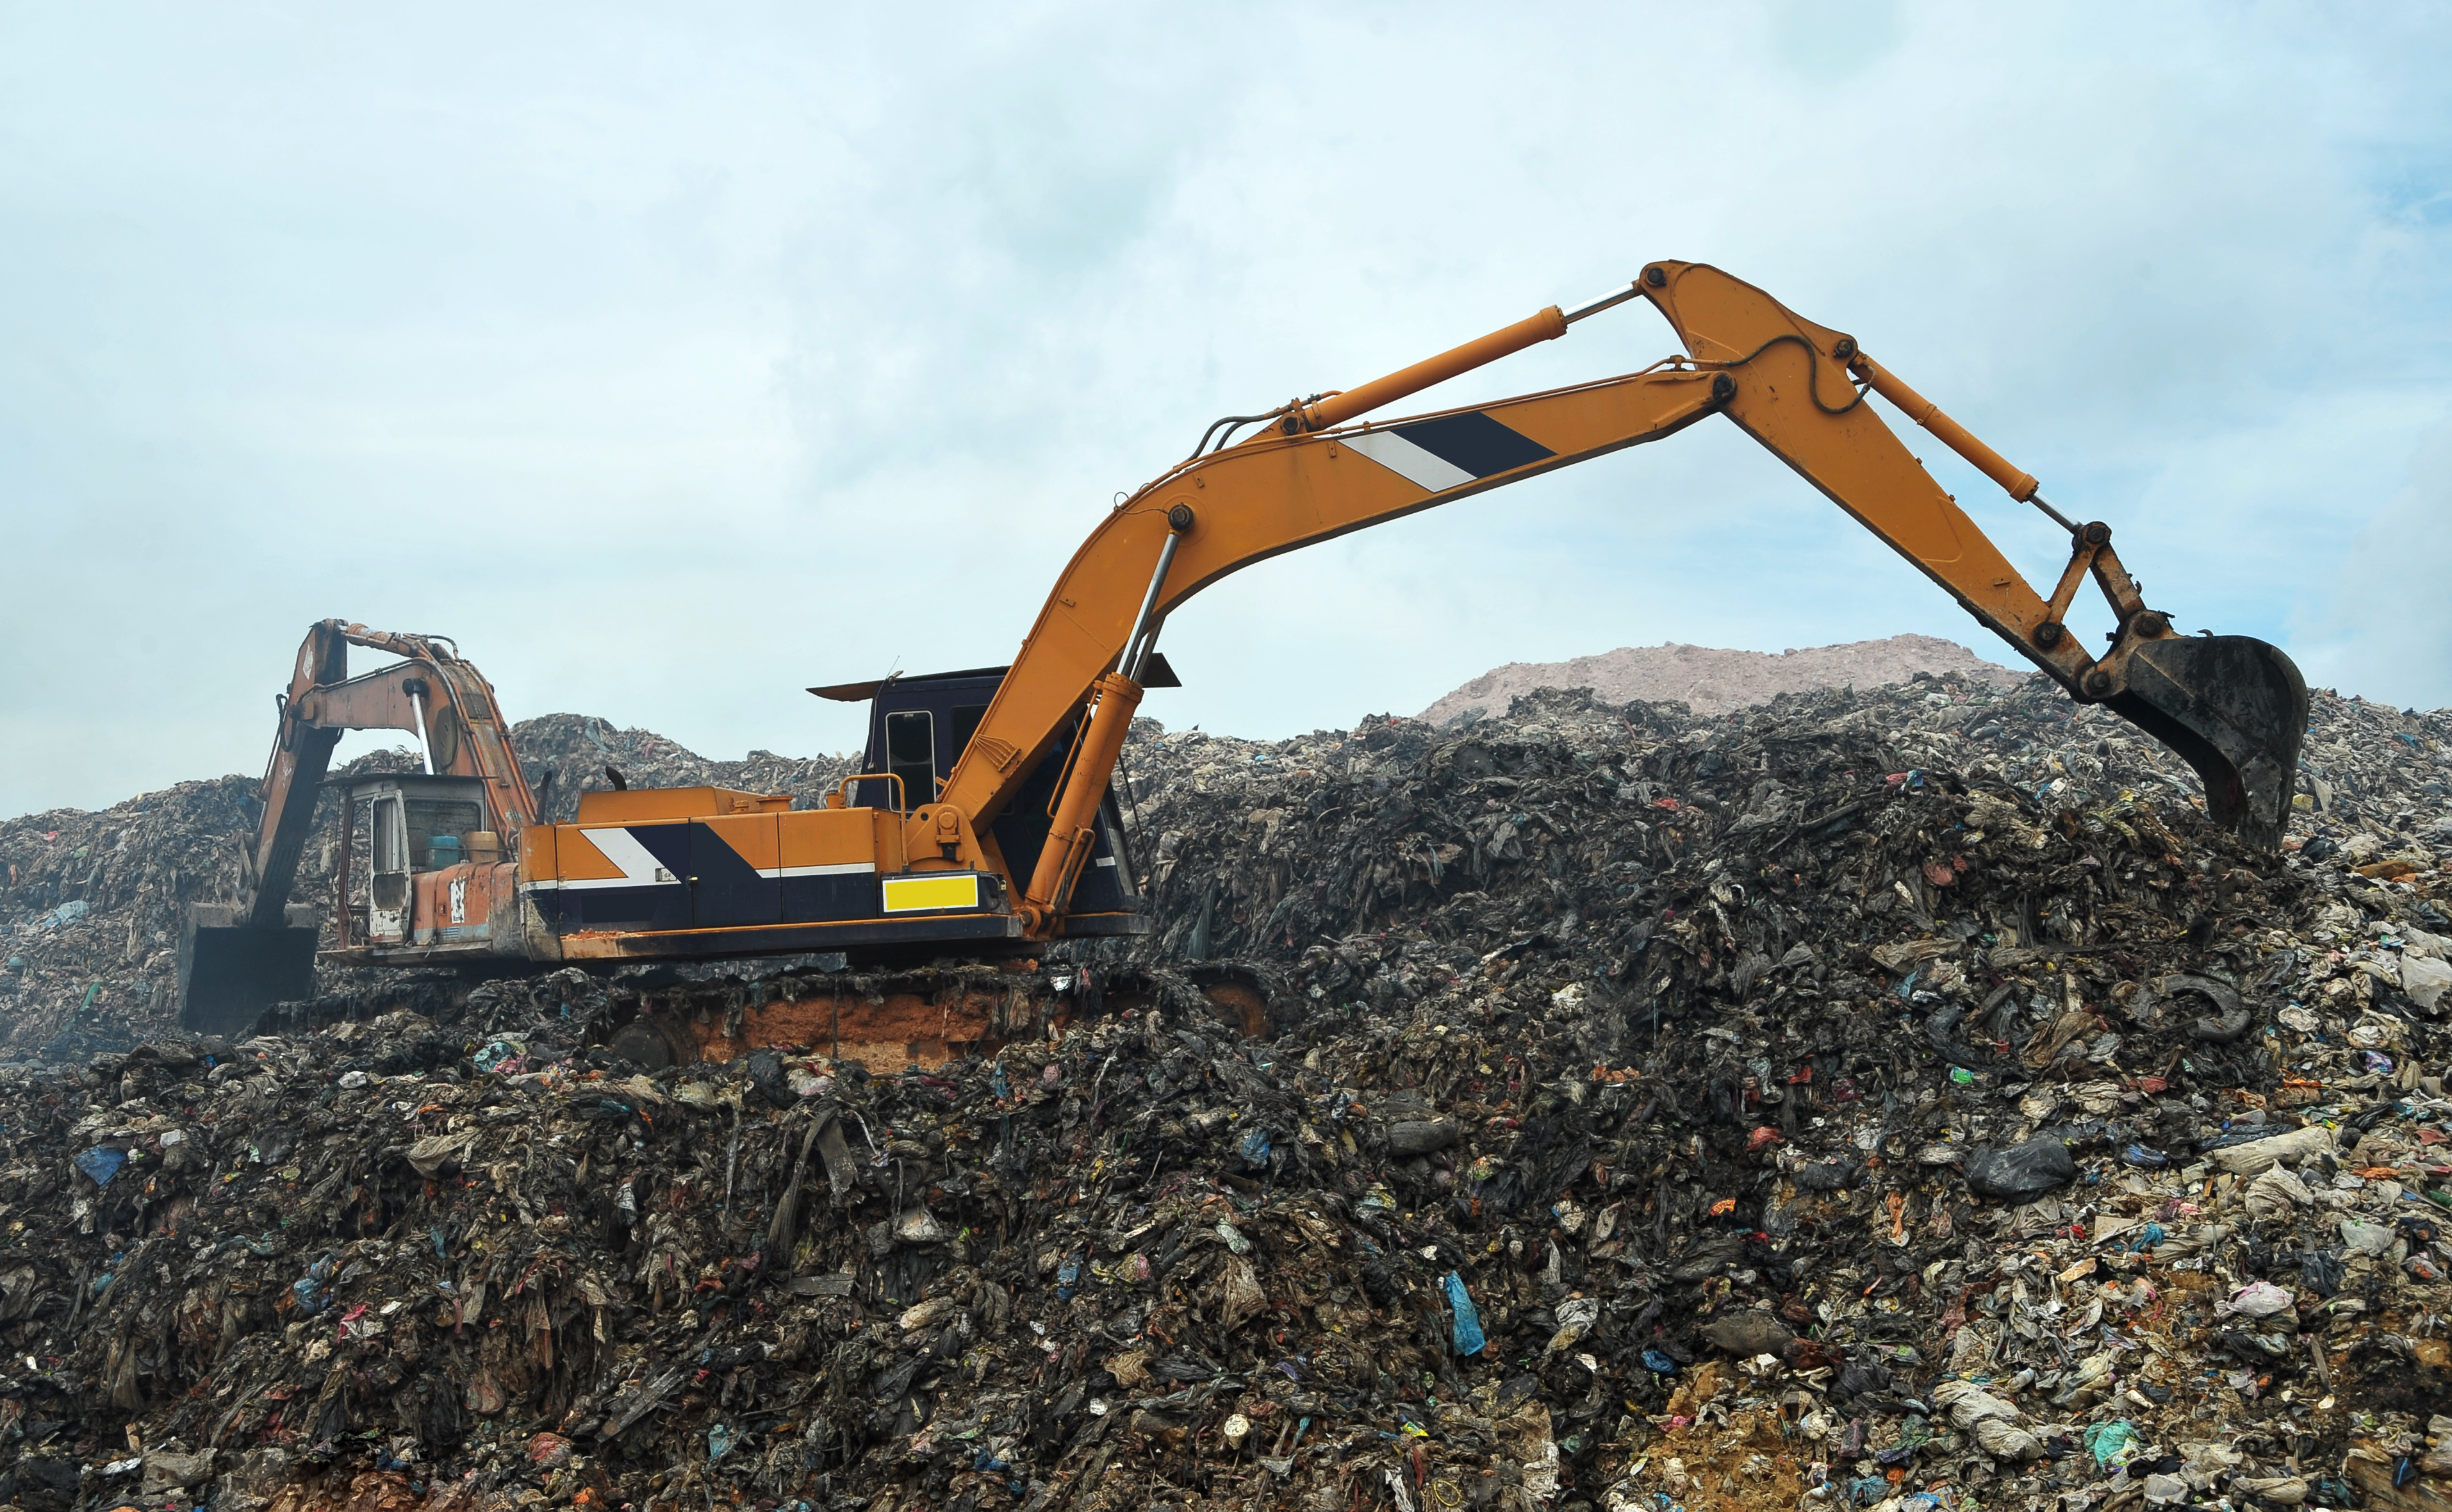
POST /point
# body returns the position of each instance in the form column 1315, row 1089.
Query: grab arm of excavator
column 1791, row 385
column 432, row 693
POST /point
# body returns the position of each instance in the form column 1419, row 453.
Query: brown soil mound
column 1714, row 682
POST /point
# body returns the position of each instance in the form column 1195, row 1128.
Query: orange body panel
column 784, row 841
column 539, row 851
column 811, row 837
column 579, row 858
column 465, row 905
column 752, row 836
column 644, row 804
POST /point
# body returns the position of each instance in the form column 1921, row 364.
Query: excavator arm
column 2235, row 708
column 249, row 953
column 430, row 693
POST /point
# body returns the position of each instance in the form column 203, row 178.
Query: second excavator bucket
column 230, row 973
column 2235, row 708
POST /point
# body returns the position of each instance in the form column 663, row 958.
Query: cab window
column 911, row 753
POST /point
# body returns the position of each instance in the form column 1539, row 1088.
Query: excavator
column 982, row 817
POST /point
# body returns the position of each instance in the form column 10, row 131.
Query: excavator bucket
column 229, row 973
column 2235, row 708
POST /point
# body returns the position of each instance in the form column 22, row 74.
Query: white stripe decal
column 1409, row 461
column 638, row 866
column 770, row 873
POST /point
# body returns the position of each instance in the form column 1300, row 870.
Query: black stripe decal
column 1476, row 443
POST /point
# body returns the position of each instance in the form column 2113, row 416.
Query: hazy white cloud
column 2389, row 625
column 673, row 364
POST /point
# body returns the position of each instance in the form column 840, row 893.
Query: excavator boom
column 2233, row 707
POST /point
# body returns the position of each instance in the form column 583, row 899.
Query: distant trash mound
column 1714, row 682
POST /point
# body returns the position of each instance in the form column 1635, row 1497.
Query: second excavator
column 984, row 818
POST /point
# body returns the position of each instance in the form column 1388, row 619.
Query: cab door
column 388, row 893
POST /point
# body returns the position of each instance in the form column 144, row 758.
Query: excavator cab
column 918, row 729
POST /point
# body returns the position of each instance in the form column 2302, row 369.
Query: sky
column 673, row 360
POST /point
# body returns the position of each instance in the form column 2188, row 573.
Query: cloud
column 2387, row 630
column 675, row 363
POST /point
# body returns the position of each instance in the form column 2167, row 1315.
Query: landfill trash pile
column 1708, row 681
column 566, row 755
column 90, row 912
column 1594, row 825
column 1946, row 994
column 90, row 909
column 1896, row 1100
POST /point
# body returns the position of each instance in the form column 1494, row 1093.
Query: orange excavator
column 983, row 817
column 436, row 837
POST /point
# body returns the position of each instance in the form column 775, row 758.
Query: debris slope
column 1891, row 1098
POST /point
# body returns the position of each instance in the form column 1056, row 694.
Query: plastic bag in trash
column 1969, row 1404
column 1466, row 1330
column 2365, row 1239
column 310, row 1288
column 101, row 1163
column 2258, row 1299
column 2424, row 980
column 2113, row 1443
column 2020, row 1171
column 2006, row 1440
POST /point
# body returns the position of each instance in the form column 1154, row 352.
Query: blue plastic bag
column 1466, row 1330
column 101, row 1163
column 2113, row 1443
column 1255, row 1149
column 311, row 1289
